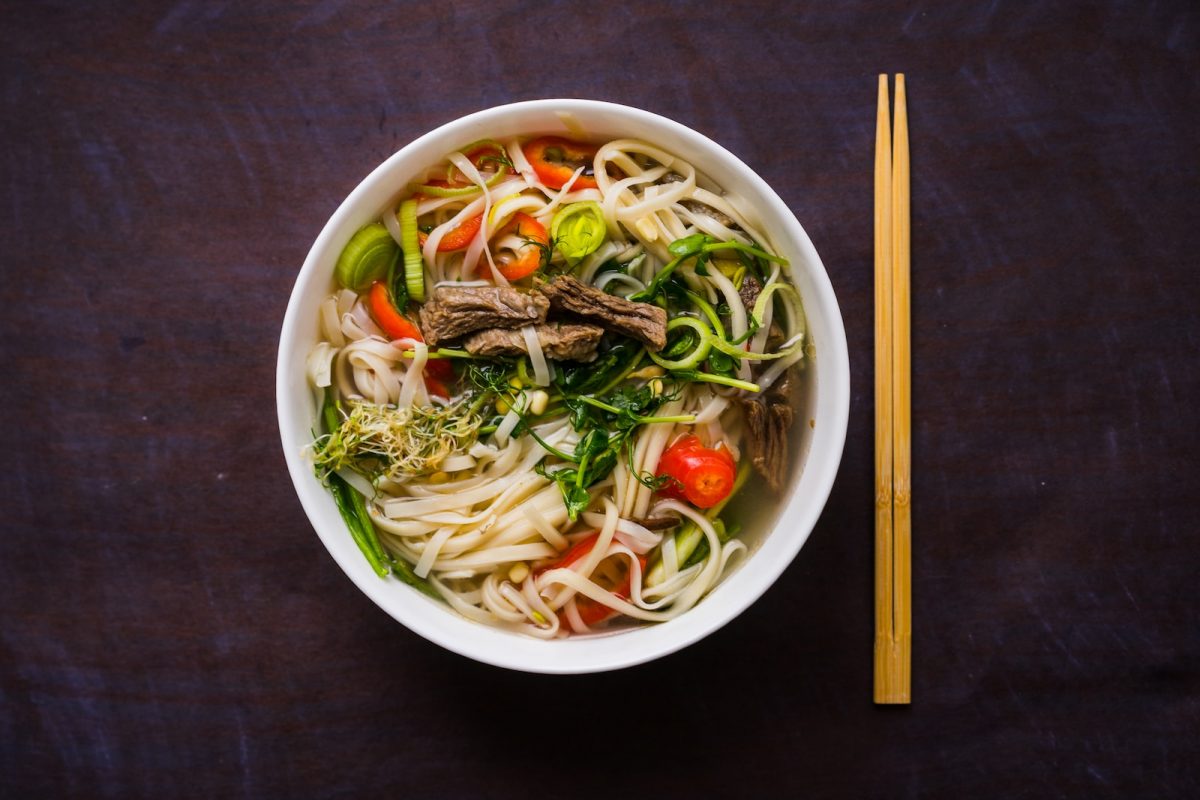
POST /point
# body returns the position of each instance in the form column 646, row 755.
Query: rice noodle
column 507, row 425
column 541, row 372
column 656, row 441
column 617, row 195
column 479, row 242
column 609, row 277
column 594, row 556
column 543, row 527
column 637, row 538
column 391, row 221
column 712, row 410
column 413, row 375
column 331, row 330
column 588, row 267
column 431, row 551
column 458, row 463
column 562, row 193
column 573, row 619
column 320, row 364
column 521, row 164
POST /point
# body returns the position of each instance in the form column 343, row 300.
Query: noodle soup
column 551, row 371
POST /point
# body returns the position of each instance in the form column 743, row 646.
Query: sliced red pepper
column 701, row 475
column 438, row 371
column 531, row 254
column 555, row 160
column 383, row 311
column 591, row 612
column 458, row 238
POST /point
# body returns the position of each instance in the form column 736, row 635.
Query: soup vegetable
column 546, row 372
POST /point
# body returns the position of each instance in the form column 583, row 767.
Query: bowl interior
column 774, row 535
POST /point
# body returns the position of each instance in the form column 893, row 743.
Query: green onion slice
column 697, row 353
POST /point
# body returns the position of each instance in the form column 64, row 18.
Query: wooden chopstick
column 883, row 394
column 893, row 417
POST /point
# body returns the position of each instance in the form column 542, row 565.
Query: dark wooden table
column 171, row 625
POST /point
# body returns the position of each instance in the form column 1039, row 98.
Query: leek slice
column 366, row 258
column 502, row 171
column 578, row 230
column 414, row 266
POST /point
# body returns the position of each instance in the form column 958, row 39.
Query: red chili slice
column 701, row 475
column 591, row 612
column 531, row 254
column 385, row 314
column 555, row 160
column 458, row 237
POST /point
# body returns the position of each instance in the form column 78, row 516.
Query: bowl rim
column 585, row 654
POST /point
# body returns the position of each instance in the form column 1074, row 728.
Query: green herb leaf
column 634, row 399
column 601, row 465
column 592, row 444
column 582, row 378
column 576, row 499
column 644, row 478
column 689, row 245
column 581, row 412
column 677, row 345
column 721, row 363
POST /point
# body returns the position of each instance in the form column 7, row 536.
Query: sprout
column 397, row 443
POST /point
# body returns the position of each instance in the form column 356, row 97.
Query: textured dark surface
column 171, row 625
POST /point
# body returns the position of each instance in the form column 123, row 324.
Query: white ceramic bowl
column 774, row 539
